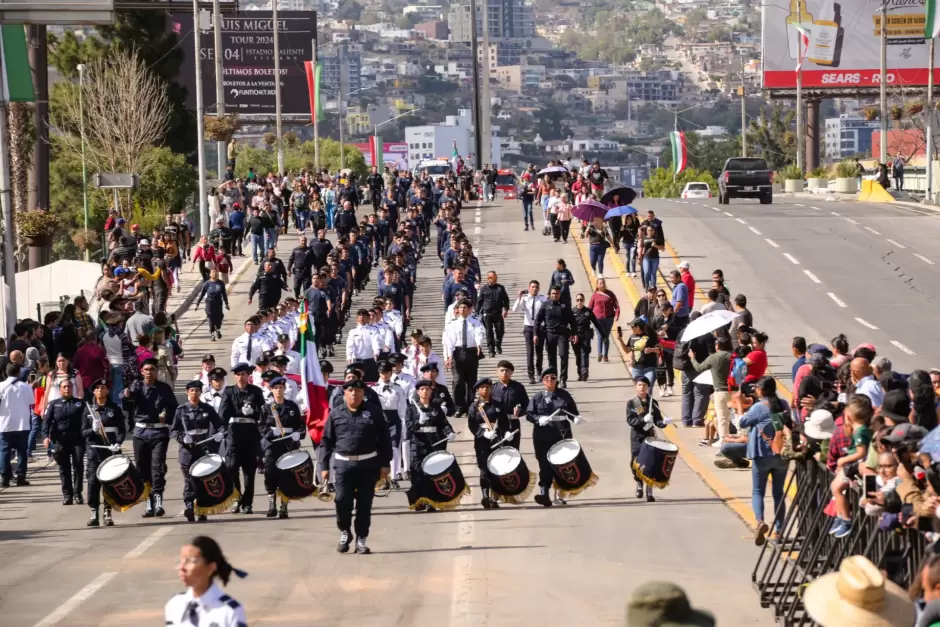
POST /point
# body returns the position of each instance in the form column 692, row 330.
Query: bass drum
column 215, row 491
column 121, row 484
column 573, row 474
column 654, row 462
column 510, row 479
column 295, row 476
column 444, row 483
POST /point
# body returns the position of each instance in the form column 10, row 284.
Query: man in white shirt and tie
column 463, row 347
column 248, row 346
column 530, row 304
column 363, row 345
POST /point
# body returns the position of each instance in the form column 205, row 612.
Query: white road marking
column 477, row 230
column 852, row 221
column 146, row 543
column 718, row 209
column 706, row 206
column 791, row 258
column 868, row 228
column 812, row 277
column 462, row 585
column 755, row 231
column 816, row 208
column 865, row 323
column 902, row 347
column 477, row 219
column 797, row 205
column 740, row 220
column 835, row 214
column 80, row 597
column 730, row 215
column 772, row 243
column 891, row 241
column 837, row 300
column 924, row 259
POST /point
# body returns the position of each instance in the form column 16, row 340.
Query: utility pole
column 799, row 109
column 343, row 88
column 929, row 114
column 81, row 129
column 743, row 93
column 477, row 114
column 219, row 89
column 6, row 201
column 884, row 82
column 486, row 145
column 277, row 93
column 200, row 126
column 316, row 114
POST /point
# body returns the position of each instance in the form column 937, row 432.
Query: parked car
column 745, row 178
column 697, row 190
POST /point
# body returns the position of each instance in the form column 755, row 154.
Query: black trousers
column 495, row 328
column 238, row 236
column 268, row 301
column 481, row 446
column 150, row 455
column 72, row 467
column 215, row 316
column 635, row 446
column 564, row 226
column 582, row 355
column 355, row 486
column 533, row 352
column 542, row 442
column 466, row 366
column 241, row 454
column 302, row 281
column 556, row 231
column 557, row 347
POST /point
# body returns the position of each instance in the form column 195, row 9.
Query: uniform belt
column 287, row 431
column 197, row 432
column 354, row 458
column 111, row 430
column 242, row 420
column 151, row 425
column 427, row 430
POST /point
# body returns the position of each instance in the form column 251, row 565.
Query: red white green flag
column 314, row 75
column 932, row 26
column 312, row 384
column 804, row 44
column 377, row 150
column 680, row 157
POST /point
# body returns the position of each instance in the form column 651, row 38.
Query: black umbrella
column 626, row 195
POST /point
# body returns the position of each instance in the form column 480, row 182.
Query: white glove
column 187, row 439
column 217, row 437
column 578, row 420
column 275, row 431
column 544, row 420
column 115, row 448
column 295, row 437
column 247, row 410
column 489, row 435
column 451, row 437
column 648, row 419
column 423, row 419
column 96, row 424
column 444, row 408
column 667, row 421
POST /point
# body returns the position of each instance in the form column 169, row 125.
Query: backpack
column 776, row 443
column 680, row 356
column 738, row 372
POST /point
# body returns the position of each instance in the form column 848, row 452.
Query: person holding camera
column 857, row 418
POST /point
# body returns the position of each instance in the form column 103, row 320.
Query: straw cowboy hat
column 858, row 595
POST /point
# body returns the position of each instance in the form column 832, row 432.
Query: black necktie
column 533, row 310
column 191, row 613
column 463, row 334
column 248, row 356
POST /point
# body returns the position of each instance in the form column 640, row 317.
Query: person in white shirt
column 113, row 341
column 293, row 357
column 384, row 331
column 204, row 603
column 425, row 356
column 363, row 345
column 463, row 349
column 212, row 392
column 530, row 304
column 16, row 410
column 394, row 405
column 208, row 365
column 248, row 346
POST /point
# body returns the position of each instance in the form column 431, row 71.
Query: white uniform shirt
column 293, row 366
column 240, row 349
column 392, row 397
column 362, row 343
column 386, row 339
column 394, row 320
column 16, row 399
column 453, row 335
column 421, row 360
column 211, row 396
column 212, row 608
column 530, row 305
column 405, row 381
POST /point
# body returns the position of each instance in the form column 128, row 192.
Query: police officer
column 212, row 394
column 241, row 411
column 512, row 396
column 299, row 265
column 102, row 425
column 194, row 422
column 376, row 184
column 548, row 429
column 489, row 424
column 427, row 424
column 319, row 307
column 62, row 427
column 357, row 443
column 394, row 401
column 557, row 324
column 493, row 307
column 154, row 405
column 268, row 285
column 280, row 419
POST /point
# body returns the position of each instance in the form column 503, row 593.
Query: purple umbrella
column 588, row 210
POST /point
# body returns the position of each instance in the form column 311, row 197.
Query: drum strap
column 111, row 430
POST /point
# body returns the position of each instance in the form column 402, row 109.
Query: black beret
column 195, row 383
column 354, row 384
column 326, row 366
column 482, row 382
column 99, row 382
column 242, row 367
column 429, row 367
column 206, row 358
column 217, row 373
column 424, row 383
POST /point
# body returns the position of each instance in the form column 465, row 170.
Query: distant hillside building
column 849, row 135
column 506, row 19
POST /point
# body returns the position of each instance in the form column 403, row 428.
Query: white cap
column 685, row 265
column 144, row 242
column 820, row 425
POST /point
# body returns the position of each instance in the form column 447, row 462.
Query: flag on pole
column 378, row 153
column 17, row 79
column 804, row 44
column 313, row 385
column 680, row 157
column 932, row 25
column 314, row 76
column 454, row 156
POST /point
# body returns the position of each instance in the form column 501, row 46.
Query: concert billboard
column 844, row 51
column 248, row 61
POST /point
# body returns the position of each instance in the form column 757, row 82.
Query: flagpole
column 929, row 124
column 316, row 113
column 883, row 155
column 9, row 269
column 799, row 105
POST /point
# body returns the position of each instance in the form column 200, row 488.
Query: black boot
column 148, row 513
column 158, row 505
column 649, row 495
column 639, row 489
column 202, row 518
column 272, row 506
column 93, row 521
column 282, row 514
column 78, row 498
column 542, row 497
column 235, row 507
column 343, row 546
column 108, row 521
column 188, row 512
column 66, row 499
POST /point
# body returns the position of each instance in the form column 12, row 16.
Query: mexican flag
column 680, row 157
column 378, row 155
column 17, row 81
column 804, row 44
column 932, row 25
column 314, row 76
column 454, row 156
column 312, row 384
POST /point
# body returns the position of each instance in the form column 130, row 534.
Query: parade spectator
column 16, row 403
column 603, row 303
column 858, row 594
column 91, row 360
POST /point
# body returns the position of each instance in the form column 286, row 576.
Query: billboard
column 395, row 155
column 844, row 49
column 248, row 61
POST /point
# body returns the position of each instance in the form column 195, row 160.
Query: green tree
column 706, row 153
column 663, row 184
column 772, row 136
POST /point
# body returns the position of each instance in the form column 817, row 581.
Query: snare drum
column 654, row 463
column 573, row 474
column 510, row 480
column 294, row 476
column 121, row 484
column 215, row 491
column 444, row 484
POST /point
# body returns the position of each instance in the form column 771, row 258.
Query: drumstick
column 99, row 446
column 283, row 438
column 445, row 439
column 506, row 438
column 201, row 442
column 489, row 425
column 277, row 420
column 94, row 416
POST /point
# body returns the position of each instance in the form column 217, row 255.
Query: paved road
column 820, row 268
column 518, row 565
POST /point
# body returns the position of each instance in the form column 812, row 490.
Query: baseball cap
column 905, row 432
column 685, row 265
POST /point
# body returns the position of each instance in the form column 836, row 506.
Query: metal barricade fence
column 805, row 550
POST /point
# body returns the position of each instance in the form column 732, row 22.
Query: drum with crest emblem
column 215, row 491
column 444, row 483
column 295, row 476
column 573, row 474
column 121, row 483
column 510, row 480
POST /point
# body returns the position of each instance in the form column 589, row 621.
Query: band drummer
column 549, row 411
column 154, row 405
column 439, row 392
column 642, row 415
column 489, row 424
column 282, row 428
column 193, row 423
column 428, row 430
column 512, row 395
column 103, row 424
column 241, row 411
column 394, row 406
column 356, row 441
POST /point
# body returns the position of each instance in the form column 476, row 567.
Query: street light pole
column 81, row 130
column 200, row 126
column 277, row 93
column 219, row 88
column 343, row 86
column 884, row 82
